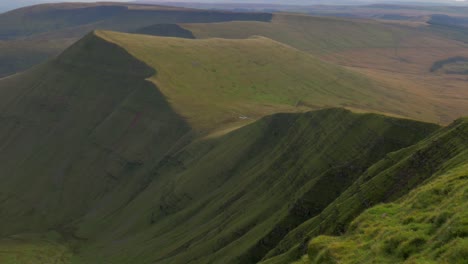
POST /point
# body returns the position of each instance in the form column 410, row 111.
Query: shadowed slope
column 74, row 129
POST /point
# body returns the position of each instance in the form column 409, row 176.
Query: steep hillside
column 219, row 81
column 427, row 226
column 75, row 128
column 231, row 199
column 443, row 155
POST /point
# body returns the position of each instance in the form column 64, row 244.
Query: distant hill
column 395, row 55
column 31, row 35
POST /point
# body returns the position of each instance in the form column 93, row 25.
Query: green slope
column 75, row 128
column 245, row 79
column 427, row 226
column 386, row 181
column 34, row 249
column 231, row 199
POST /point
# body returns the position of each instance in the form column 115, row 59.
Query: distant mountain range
column 10, row 5
column 315, row 2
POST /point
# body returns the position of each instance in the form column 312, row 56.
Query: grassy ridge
column 231, row 199
column 396, row 175
column 165, row 30
column 427, row 226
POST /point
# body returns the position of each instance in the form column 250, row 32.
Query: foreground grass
column 386, row 181
column 427, row 226
column 34, row 249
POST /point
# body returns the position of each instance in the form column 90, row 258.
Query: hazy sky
column 6, row 5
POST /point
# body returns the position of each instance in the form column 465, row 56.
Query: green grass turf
column 34, row 249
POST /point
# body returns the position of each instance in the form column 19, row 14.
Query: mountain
column 141, row 149
column 397, row 55
column 31, row 35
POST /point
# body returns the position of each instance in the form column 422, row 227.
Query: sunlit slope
column 219, row 81
column 233, row 198
column 430, row 225
column 444, row 153
column 397, row 56
column 74, row 129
